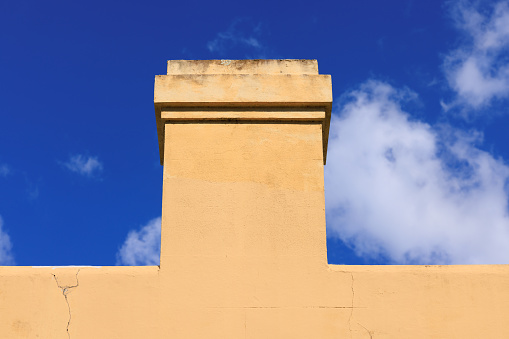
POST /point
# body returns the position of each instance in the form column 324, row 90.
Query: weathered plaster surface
column 243, row 245
column 339, row 302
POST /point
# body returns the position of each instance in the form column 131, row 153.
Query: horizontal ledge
column 254, row 105
column 243, row 115
column 238, row 88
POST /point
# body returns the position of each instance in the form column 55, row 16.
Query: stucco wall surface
column 280, row 302
column 78, row 302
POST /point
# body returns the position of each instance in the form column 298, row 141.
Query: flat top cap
column 256, row 66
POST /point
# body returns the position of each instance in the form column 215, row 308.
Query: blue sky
column 417, row 167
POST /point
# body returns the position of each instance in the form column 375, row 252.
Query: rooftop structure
column 243, row 245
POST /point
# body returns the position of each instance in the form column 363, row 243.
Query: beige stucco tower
column 243, row 251
column 243, row 143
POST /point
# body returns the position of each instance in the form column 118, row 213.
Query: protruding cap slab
column 254, row 90
column 258, row 66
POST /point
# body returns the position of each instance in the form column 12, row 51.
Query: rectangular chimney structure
column 243, row 144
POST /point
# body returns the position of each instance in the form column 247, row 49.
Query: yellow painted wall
column 243, row 237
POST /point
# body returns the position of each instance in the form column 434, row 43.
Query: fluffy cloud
column 142, row 247
column 478, row 70
column 411, row 192
column 84, row 165
column 6, row 257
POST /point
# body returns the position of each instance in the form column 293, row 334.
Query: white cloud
column 410, row 192
column 142, row 247
column 84, row 165
column 478, row 70
column 4, row 170
column 6, row 257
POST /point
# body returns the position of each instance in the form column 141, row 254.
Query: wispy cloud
column 6, row 256
column 243, row 34
column 84, row 165
column 411, row 192
column 478, row 70
column 143, row 246
column 5, row 170
column 33, row 192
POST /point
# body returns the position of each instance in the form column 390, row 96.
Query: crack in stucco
column 351, row 310
column 351, row 307
column 65, row 290
column 369, row 332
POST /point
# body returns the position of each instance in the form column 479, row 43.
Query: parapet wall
column 338, row 302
